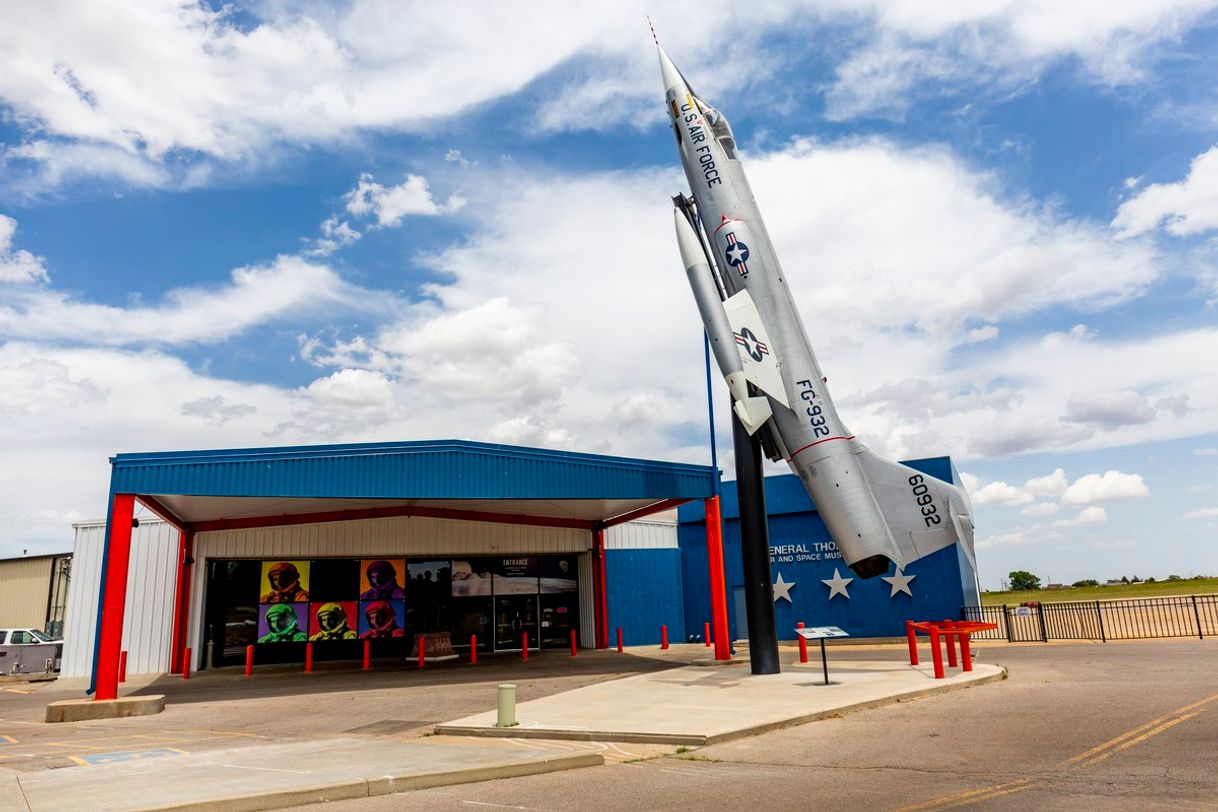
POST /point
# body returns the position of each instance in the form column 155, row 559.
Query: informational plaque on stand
column 822, row 633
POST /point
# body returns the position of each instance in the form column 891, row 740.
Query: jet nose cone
column 670, row 74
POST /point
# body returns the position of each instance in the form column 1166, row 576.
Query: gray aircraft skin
column 876, row 510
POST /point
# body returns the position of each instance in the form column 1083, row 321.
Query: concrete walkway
column 271, row 776
column 698, row 706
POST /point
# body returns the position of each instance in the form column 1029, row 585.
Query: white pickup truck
column 28, row 651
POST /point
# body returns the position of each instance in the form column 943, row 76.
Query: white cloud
column 1186, row 207
column 1203, row 513
column 916, row 49
column 17, row 266
column 1088, row 515
column 1107, row 487
column 390, row 204
column 231, row 88
column 1041, row 509
column 335, row 234
column 987, row 333
column 216, row 409
column 1051, row 485
column 1036, row 534
column 287, row 286
column 1000, row 493
column 1205, row 452
column 1110, row 409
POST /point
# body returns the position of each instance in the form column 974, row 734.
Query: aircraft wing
column 757, row 355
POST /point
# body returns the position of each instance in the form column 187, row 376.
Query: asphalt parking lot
column 1089, row 726
column 1112, row 726
column 216, row 709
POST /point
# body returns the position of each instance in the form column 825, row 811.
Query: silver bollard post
column 507, row 705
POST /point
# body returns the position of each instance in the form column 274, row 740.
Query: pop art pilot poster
column 333, row 621
column 381, row 579
column 281, row 623
column 285, row 582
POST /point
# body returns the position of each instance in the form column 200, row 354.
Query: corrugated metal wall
column 148, row 618
column 402, row 536
column 25, row 585
column 645, row 592
column 657, row 532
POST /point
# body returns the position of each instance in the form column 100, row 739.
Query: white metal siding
column 25, row 586
column 148, row 614
column 646, row 534
column 587, row 603
column 402, row 536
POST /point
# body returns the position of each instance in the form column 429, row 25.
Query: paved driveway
column 1089, row 726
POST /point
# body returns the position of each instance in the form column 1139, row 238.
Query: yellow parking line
column 1090, row 758
column 1100, row 757
column 968, row 796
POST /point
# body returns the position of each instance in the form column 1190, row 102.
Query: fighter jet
column 879, row 512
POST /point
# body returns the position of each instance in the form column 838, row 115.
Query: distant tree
column 1022, row 579
column 1174, row 578
column 1086, row 582
column 1150, row 580
column 1124, row 579
column 1135, row 580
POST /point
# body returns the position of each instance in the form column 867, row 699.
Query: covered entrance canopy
column 202, row 491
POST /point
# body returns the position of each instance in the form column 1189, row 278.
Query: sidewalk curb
column 342, row 784
column 695, row 740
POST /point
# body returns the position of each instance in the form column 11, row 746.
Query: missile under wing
column 877, row 511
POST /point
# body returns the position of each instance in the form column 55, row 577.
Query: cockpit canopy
column 719, row 128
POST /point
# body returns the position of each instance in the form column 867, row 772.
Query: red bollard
column 573, row 644
column 524, row 645
column 186, row 661
column 950, row 638
column 122, row 666
column 706, row 634
column 473, row 649
column 912, row 634
column 619, row 639
column 936, row 653
column 308, row 658
column 249, row 661
column 422, row 656
column 966, row 655
column 367, row 654
column 803, row 644
column 664, row 637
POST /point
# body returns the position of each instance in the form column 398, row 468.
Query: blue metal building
column 803, row 558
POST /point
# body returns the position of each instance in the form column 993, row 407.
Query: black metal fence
column 1129, row 619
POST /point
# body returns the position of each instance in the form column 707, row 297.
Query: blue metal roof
column 430, row 469
column 784, row 493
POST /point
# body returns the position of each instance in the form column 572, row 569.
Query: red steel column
column 599, row 588
column 114, row 596
column 718, row 585
column 181, row 603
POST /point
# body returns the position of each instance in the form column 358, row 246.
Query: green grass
column 1192, row 586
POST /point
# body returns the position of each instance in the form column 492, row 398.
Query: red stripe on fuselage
column 818, row 442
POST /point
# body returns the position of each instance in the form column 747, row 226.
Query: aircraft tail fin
column 923, row 512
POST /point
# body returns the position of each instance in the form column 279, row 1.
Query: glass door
column 515, row 614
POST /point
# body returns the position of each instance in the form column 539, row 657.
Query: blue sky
column 358, row 221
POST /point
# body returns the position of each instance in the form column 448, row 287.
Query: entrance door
column 515, row 614
column 559, row 616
